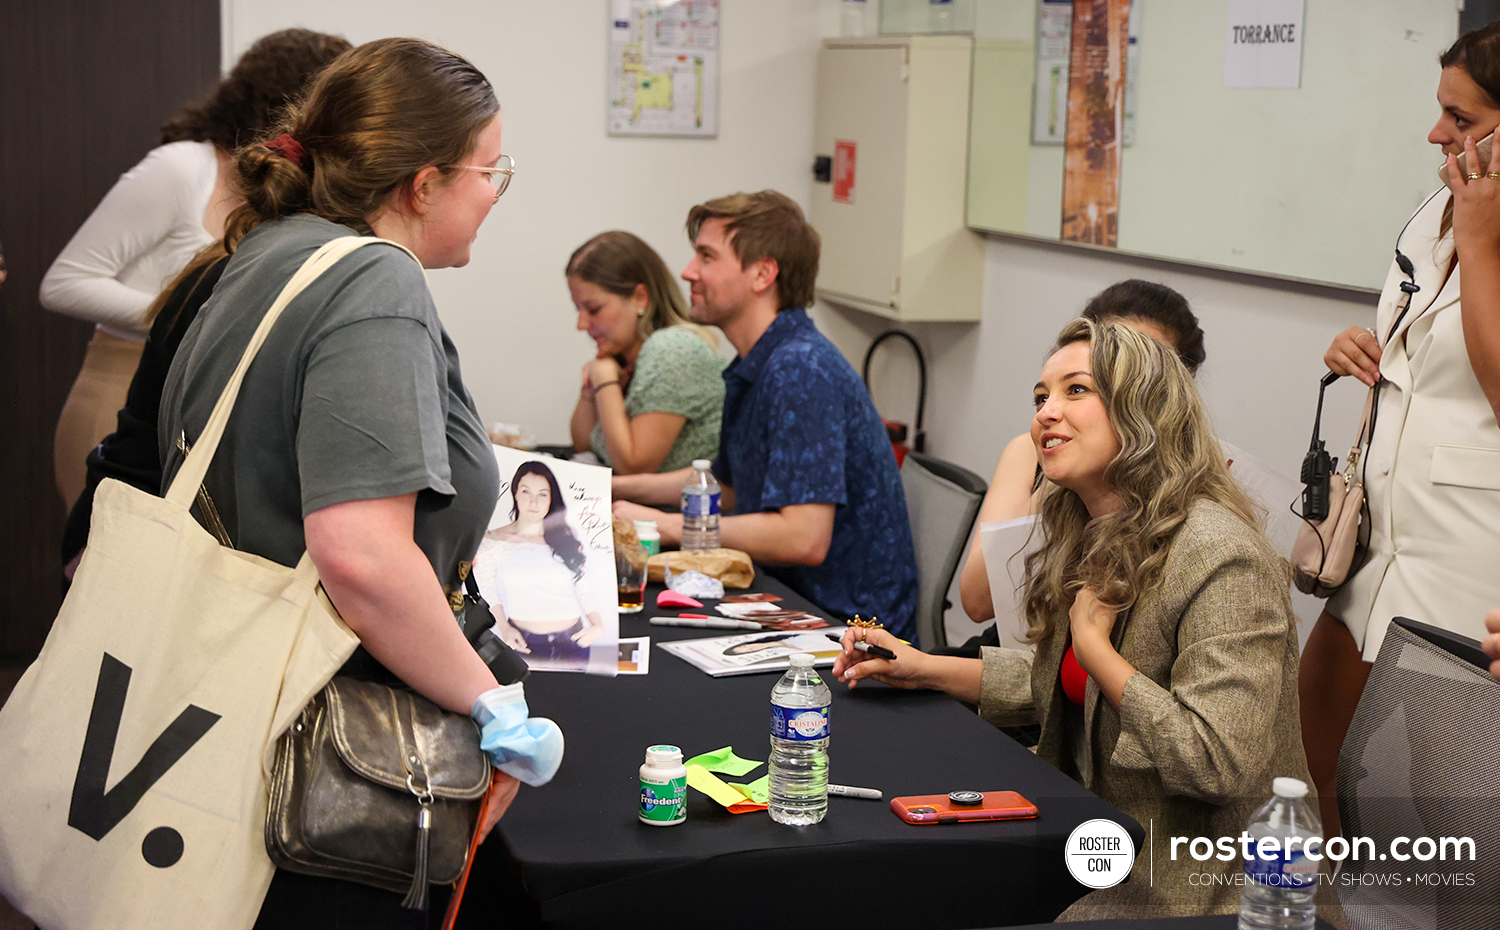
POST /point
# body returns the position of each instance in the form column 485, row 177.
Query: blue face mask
column 528, row 748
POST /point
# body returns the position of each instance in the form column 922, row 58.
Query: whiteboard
column 1311, row 183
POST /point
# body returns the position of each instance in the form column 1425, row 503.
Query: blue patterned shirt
column 800, row 428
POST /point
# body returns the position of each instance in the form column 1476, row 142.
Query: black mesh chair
column 942, row 501
column 1422, row 760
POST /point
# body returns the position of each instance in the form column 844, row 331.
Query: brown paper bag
column 730, row 566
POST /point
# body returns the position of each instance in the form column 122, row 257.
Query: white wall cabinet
column 895, row 243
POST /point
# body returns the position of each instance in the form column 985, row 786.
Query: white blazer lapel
column 1431, row 253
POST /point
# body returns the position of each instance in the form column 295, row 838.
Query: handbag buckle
column 422, row 794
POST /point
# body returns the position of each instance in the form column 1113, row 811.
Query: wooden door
column 84, row 86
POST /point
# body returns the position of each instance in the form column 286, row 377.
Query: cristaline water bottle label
column 700, row 505
column 799, row 723
column 665, row 801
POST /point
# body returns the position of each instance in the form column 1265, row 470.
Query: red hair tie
column 290, row 149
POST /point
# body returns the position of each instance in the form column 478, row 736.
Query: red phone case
column 937, row 808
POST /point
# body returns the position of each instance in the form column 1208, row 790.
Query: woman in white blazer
column 1432, row 472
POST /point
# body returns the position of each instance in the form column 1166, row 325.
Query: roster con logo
column 1337, row 849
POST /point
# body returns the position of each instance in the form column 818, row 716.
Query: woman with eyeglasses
column 1164, row 674
column 354, row 438
column 653, row 397
column 1432, row 470
column 153, row 222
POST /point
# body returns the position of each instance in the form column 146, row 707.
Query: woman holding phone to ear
column 1432, row 470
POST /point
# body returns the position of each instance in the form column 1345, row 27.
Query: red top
column 1074, row 678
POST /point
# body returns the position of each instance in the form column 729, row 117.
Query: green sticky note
column 723, row 761
column 758, row 791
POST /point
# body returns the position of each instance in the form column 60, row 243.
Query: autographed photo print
column 547, row 564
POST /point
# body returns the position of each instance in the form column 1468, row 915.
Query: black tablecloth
column 584, row 860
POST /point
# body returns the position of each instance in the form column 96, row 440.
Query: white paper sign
column 1006, row 546
column 1049, row 106
column 1263, row 45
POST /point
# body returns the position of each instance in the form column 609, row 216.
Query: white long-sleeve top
column 144, row 231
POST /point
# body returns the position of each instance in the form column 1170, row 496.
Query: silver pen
column 707, row 623
column 845, row 791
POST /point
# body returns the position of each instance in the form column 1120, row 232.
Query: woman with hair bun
column 1164, row 675
column 653, row 398
column 353, row 438
column 152, row 223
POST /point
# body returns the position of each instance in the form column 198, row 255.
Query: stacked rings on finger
column 1473, row 176
column 1493, row 175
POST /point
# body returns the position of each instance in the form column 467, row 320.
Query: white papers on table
column 1006, row 545
column 748, row 653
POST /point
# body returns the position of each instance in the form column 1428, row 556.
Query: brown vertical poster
column 1096, row 93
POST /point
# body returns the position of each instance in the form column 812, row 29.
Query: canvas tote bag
column 134, row 751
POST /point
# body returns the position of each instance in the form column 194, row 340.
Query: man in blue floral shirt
column 803, row 456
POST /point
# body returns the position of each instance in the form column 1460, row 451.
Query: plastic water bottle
column 852, row 18
column 799, row 745
column 700, row 508
column 1280, row 887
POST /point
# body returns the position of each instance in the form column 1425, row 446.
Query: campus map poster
column 663, row 68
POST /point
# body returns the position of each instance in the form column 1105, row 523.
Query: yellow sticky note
column 723, row 761
column 730, row 797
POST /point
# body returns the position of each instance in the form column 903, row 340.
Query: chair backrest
column 942, row 500
column 1422, row 760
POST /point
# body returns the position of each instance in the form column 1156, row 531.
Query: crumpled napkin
column 695, row 584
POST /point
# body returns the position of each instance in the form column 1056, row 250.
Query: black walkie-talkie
column 1318, row 466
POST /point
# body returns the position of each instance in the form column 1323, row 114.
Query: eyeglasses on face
column 500, row 175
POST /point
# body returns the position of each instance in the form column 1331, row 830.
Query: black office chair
column 942, row 501
column 1422, row 760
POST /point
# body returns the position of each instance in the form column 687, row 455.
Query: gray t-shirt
column 355, row 395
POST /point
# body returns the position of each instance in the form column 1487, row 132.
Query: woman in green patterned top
column 653, row 397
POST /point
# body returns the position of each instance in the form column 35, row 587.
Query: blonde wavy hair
column 1169, row 457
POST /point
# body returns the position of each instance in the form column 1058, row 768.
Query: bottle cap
column 703, row 464
column 657, row 754
column 645, row 524
column 801, row 659
column 1289, row 788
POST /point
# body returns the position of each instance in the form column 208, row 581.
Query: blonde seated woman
column 653, row 397
column 1164, row 677
column 1154, row 309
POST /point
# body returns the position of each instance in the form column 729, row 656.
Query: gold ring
column 1493, row 175
column 1473, row 176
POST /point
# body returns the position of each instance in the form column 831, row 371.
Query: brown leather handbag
column 377, row 786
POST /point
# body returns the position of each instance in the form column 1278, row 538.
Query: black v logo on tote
column 95, row 811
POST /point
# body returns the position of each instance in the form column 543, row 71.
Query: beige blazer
column 1433, row 472
column 1207, row 722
